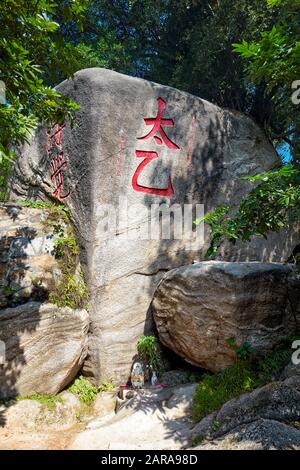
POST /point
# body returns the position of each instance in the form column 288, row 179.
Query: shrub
column 214, row 390
column 148, row 348
column 107, row 387
column 85, row 391
column 242, row 352
column 198, row 440
column 274, row 363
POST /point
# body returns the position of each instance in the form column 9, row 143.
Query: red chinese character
column 157, row 124
column 54, row 137
column 148, row 157
column 58, row 165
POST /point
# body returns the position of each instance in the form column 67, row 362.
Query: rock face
column 44, row 347
column 136, row 144
column 263, row 434
column 41, row 346
column 28, row 268
column 197, row 308
column 30, row 415
column 265, row 419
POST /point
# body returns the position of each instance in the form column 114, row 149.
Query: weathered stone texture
column 44, row 347
column 216, row 147
column 197, row 308
column 28, row 268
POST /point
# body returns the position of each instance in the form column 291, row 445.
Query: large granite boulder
column 136, row 144
column 198, row 308
column 44, row 347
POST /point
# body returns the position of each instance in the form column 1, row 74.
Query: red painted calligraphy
column 148, row 157
column 58, row 164
column 54, row 137
column 157, row 124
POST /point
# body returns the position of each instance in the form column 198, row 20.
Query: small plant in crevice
column 47, row 400
column 41, row 205
column 9, row 291
column 198, row 440
column 85, row 391
column 107, row 386
column 243, row 352
column 148, row 348
column 215, row 425
column 5, row 172
column 270, row 366
column 71, row 289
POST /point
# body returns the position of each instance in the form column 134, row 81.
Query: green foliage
column 7, row 291
column 189, row 45
column 205, row 63
column 186, row 44
column 85, row 391
column 243, row 352
column 194, row 377
column 108, row 53
column 148, row 348
column 32, row 53
column 71, row 290
column 5, row 170
column 121, row 35
column 197, row 440
column 42, row 205
column 271, row 365
column 47, row 400
column 7, row 401
column 214, row 390
column 271, row 61
column 107, row 386
column 215, row 425
column 274, row 60
column 231, row 342
column 217, row 221
column 270, row 206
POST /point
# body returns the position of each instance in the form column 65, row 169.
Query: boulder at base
column 45, row 346
column 198, row 308
column 136, row 144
